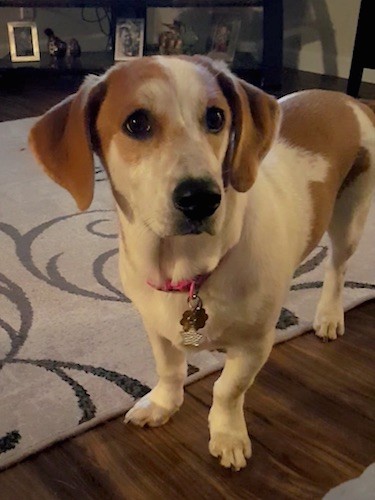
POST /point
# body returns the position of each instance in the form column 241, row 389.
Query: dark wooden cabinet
column 271, row 66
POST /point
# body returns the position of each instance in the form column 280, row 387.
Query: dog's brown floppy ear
column 62, row 141
column 255, row 117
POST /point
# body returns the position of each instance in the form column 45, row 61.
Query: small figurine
column 56, row 46
column 170, row 41
column 189, row 39
column 74, row 48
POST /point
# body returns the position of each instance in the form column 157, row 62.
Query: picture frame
column 129, row 39
column 23, row 41
column 224, row 38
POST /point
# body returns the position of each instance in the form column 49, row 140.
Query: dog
column 221, row 192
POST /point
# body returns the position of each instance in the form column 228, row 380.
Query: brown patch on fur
column 215, row 98
column 361, row 164
column 63, row 139
column 123, row 203
column 124, row 82
column 255, row 117
column 322, row 123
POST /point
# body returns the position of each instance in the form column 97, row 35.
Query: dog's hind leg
column 156, row 407
column 349, row 216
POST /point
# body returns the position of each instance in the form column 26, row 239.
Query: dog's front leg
column 156, row 407
column 229, row 437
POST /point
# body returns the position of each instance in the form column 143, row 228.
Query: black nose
column 197, row 198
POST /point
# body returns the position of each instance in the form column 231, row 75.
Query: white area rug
column 361, row 488
column 72, row 349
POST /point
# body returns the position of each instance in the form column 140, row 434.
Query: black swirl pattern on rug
column 100, row 174
column 18, row 298
column 52, row 274
column 18, row 337
column 9, row 441
column 287, row 317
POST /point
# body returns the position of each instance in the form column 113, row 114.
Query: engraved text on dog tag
column 193, row 320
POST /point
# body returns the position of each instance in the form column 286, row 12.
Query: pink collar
column 190, row 286
column 183, row 285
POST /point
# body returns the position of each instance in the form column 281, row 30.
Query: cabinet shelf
column 89, row 62
column 97, row 62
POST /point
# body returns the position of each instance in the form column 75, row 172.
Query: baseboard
column 312, row 61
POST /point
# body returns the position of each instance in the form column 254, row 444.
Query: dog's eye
column 138, row 125
column 215, row 119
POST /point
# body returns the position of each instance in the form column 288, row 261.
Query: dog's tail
column 370, row 103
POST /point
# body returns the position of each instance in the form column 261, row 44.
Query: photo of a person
column 129, row 39
column 23, row 41
column 223, row 40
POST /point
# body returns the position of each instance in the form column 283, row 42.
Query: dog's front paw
column 232, row 448
column 329, row 322
column 146, row 412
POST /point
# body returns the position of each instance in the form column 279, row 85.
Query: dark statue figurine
column 74, row 49
column 56, row 46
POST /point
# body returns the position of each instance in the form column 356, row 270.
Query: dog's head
column 174, row 133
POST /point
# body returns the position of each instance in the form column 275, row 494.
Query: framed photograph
column 23, row 41
column 129, row 38
column 224, row 38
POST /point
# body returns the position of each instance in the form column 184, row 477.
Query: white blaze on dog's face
column 165, row 123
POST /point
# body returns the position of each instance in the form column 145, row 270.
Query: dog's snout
column 197, row 198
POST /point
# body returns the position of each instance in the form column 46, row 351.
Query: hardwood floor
column 22, row 98
column 310, row 412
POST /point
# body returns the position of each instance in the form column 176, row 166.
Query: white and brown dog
column 217, row 186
